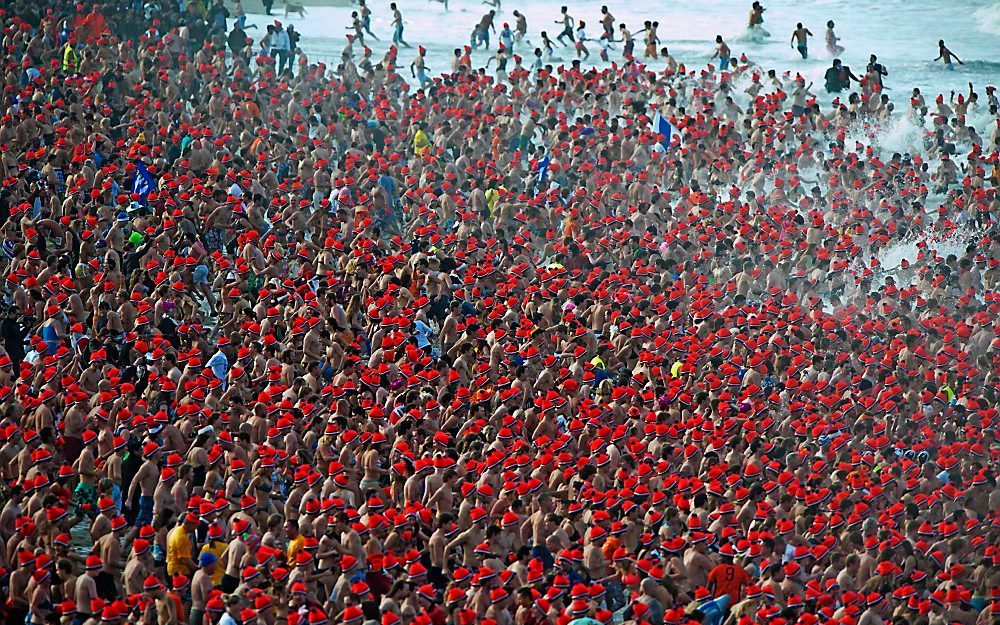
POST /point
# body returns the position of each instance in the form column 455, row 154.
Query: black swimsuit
column 198, row 476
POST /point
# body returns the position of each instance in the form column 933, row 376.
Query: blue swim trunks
column 145, row 516
column 200, row 274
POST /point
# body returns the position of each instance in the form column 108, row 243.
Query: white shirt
column 279, row 40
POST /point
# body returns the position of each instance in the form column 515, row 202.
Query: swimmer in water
column 832, row 46
column 756, row 15
column 946, row 55
column 801, row 35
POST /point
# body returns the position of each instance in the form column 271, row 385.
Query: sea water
column 903, row 34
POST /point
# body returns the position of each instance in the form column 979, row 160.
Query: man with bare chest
column 145, row 481
column 109, row 548
column 437, row 573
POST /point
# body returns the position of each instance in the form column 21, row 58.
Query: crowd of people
column 285, row 343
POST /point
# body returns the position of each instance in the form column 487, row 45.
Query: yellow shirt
column 420, row 142
column 69, row 59
column 294, row 546
column 949, row 393
column 492, row 195
column 216, row 548
column 178, row 549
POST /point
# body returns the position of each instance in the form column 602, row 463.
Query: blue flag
column 144, row 182
column 543, row 169
column 663, row 127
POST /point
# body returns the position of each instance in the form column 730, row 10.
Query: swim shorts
column 145, row 516
column 200, row 274
column 86, row 494
column 229, row 583
column 542, row 553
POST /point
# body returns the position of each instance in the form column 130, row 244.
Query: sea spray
column 943, row 244
column 900, row 134
column 987, row 19
column 752, row 34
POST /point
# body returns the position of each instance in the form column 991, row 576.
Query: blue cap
column 206, row 559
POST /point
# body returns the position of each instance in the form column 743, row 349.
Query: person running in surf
column 832, row 46
column 418, row 69
column 800, row 39
column 567, row 23
column 651, row 40
column 366, row 19
column 722, row 52
column 485, row 26
column 547, row 45
column 608, row 23
column 520, row 26
column 946, row 55
column 397, row 26
column 626, row 38
column 875, row 72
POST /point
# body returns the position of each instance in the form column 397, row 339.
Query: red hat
column 140, row 546
column 352, row 614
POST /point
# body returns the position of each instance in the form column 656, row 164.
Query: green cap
column 135, row 238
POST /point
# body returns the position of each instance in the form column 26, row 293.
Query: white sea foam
column 988, row 19
column 891, row 257
column 756, row 34
column 901, row 134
